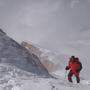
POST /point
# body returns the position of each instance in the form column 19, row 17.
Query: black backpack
column 78, row 62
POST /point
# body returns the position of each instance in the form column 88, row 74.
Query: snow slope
column 13, row 78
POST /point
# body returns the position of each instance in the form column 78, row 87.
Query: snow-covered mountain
column 13, row 53
column 21, row 67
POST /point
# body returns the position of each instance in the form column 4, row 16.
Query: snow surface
column 13, row 78
column 50, row 84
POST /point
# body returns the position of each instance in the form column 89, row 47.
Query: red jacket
column 74, row 65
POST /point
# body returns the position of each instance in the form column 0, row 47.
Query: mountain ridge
column 15, row 54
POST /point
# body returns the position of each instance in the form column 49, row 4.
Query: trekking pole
column 65, row 74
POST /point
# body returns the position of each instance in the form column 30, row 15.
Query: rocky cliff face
column 13, row 53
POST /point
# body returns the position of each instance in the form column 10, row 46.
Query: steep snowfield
column 13, row 78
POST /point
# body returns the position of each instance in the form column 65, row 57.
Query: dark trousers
column 76, row 75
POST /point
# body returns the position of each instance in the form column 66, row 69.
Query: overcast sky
column 58, row 25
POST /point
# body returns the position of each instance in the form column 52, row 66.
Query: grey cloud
column 49, row 23
column 74, row 2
